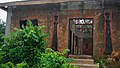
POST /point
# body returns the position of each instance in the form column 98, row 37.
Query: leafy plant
column 11, row 65
column 24, row 45
column 2, row 31
column 52, row 59
column 101, row 61
column 26, row 48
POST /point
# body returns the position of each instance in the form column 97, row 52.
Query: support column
column 54, row 42
column 8, row 21
column 69, row 37
column 108, row 31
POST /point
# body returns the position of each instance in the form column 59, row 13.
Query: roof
column 34, row 2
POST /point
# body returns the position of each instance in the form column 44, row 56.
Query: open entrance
column 81, row 36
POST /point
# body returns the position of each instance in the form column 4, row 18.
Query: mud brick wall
column 41, row 12
column 86, row 9
column 44, row 14
column 116, row 28
column 98, row 25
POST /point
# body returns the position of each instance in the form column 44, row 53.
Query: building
column 86, row 27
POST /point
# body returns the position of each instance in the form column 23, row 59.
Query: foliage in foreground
column 26, row 48
column 52, row 59
column 2, row 30
column 49, row 59
column 101, row 60
column 24, row 45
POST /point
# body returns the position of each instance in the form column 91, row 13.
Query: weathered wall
column 97, row 29
column 86, row 9
column 45, row 13
column 116, row 28
column 42, row 12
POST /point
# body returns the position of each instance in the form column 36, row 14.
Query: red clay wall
column 116, row 28
column 46, row 18
column 44, row 13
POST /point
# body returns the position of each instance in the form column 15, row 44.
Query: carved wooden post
column 54, row 42
column 108, row 31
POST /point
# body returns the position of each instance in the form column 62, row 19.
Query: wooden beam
column 35, row 2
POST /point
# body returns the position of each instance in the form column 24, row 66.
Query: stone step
column 80, row 56
column 85, row 65
column 83, row 61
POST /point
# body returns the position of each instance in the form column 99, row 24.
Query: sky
column 3, row 14
column 3, row 1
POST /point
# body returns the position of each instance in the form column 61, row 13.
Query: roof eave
column 34, row 2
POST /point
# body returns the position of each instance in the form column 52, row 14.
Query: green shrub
column 49, row 59
column 101, row 60
column 26, row 48
column 52, row 59
column 2, row 31
column 12, row 65
column 24, row 45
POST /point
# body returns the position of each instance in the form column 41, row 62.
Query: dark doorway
column 81, row 36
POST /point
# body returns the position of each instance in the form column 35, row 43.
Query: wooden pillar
column 69, row 37
column 54, row 42
column 104, row 31
column 108, row 30
column 8, row 22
